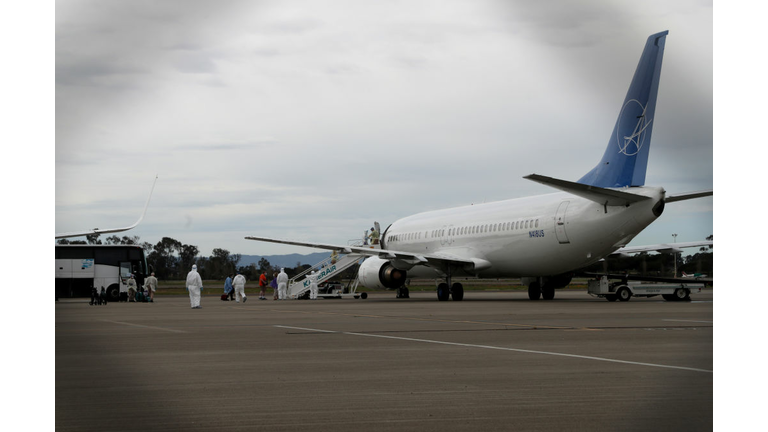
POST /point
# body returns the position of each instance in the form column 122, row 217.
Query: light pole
column 674, row 255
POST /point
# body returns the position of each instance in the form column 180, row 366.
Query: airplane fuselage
column 535, row 236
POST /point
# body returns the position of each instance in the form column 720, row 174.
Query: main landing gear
column 456, row 291
column 536, row 291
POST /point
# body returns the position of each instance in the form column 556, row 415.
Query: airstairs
column 298, row 286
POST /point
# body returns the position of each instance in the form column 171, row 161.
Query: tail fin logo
column 632, row 119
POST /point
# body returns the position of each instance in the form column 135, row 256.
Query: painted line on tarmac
column 407, row 318
column 501, row 349
column 145, row 326
column 693, row 321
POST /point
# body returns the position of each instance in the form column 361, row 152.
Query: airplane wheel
column 442, row 292
column 364, row 295
column 457, row 292
column 682, row 294
column 534, row 292
column 548, row 293
column 624, row 294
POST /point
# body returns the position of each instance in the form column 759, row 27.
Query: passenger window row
column 466, row 230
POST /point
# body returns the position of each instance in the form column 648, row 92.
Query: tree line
column 658, row 264
column 171, row 259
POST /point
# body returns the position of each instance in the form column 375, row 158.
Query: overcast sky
column 310, row 120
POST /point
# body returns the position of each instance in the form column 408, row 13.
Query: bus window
column 125, row 269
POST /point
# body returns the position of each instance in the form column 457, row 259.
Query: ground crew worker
column 313, row 286
column 374, row 236
column 195, row 287
column 282, row 284
column 132, row 289
column 239, row 284
column 151, row 285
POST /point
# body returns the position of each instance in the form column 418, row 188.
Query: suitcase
column 224, row 297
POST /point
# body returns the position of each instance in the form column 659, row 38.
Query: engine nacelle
column 376, row 273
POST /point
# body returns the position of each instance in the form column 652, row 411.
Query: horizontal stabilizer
column 593, row 193
column 687, row 196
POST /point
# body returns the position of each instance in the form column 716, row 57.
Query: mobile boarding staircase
column 298, row 286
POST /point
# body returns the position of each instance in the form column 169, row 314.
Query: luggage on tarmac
column 224, row 297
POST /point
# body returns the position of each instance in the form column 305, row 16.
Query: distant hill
column 287, row 261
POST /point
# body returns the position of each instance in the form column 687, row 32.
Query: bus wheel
column 113, row 293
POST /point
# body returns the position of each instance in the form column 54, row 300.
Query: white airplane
column 110, row 230
column 542, row 239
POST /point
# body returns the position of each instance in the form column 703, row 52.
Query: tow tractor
column 623, row 290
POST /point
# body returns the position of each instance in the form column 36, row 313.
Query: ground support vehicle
column 624, row 290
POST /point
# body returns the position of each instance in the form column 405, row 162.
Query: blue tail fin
column 626, row 157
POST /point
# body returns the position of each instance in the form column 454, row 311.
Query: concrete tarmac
column 493, row 362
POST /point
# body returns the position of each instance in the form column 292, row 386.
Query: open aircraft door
column 562, row 237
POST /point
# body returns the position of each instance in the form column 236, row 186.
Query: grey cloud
column 98, row 72
column 266, row 52
column 195, row 64
column 290, row 27
column 227, row 145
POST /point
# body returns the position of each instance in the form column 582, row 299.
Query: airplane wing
column 662, row 247
column 109, row 230
column 406, row 257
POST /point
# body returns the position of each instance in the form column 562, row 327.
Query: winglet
column 111, row 230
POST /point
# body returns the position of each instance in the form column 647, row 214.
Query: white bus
column 80, row 267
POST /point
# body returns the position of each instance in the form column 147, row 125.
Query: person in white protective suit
column 282, row 285
column 239, row 283
column 313, row 286
column 195, row 287
column 132, row 289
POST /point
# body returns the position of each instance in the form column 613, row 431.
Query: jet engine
column 376, row 273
